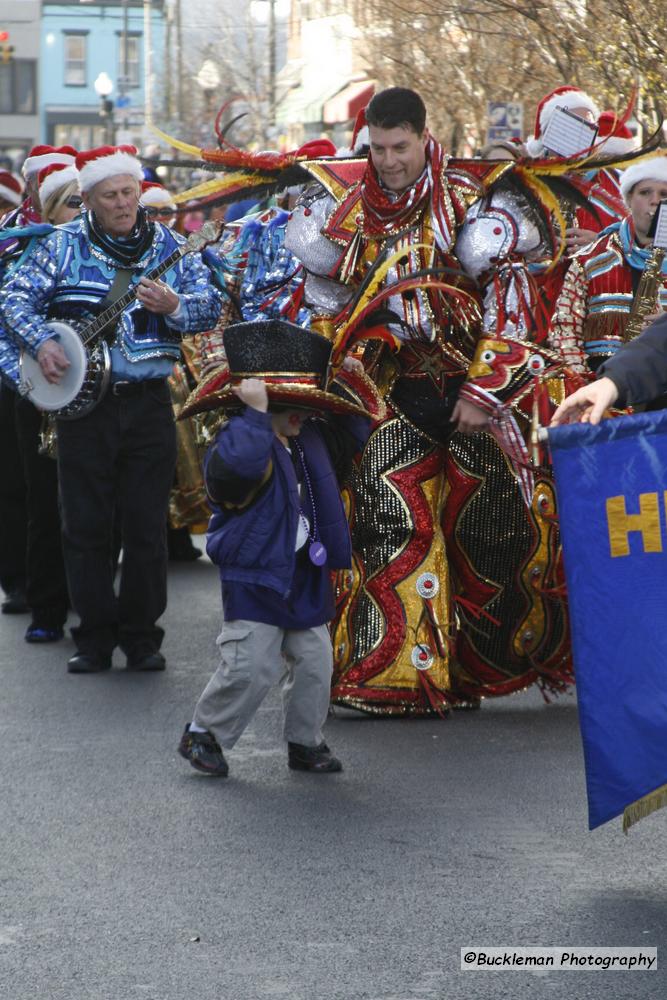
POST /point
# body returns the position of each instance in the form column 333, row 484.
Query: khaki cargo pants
column 254, row 657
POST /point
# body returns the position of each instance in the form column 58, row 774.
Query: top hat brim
column 353, row 394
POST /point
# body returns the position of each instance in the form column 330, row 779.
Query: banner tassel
column 644, row 807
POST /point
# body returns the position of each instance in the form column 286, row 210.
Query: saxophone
column 645, row 301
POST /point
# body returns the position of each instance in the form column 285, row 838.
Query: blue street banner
column 611, row 482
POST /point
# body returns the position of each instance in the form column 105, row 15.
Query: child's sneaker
column 204, row 753
column 316, row 759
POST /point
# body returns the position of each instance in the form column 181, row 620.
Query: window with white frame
column 75, row 60
column 131, row 62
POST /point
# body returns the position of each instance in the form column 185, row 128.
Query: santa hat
column 361, row 138
column 11, row 189
column 155, row 195
column 360, row 134
column 316, row 149
column 654, row 169
column 618, row 137
column 55, row 177
column 95, row 165
column 561, row 97
column 43, row 156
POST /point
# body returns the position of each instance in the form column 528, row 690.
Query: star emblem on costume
column 427, row 361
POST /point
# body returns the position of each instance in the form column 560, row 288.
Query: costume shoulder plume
column 550, row 183
column 242, row 174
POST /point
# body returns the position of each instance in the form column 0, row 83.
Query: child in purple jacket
column 278, row 528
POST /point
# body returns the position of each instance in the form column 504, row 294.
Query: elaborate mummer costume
column 411, row 636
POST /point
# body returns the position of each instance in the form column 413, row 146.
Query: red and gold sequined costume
column 439, row 607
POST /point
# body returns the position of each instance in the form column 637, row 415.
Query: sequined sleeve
column 497, row 239
column 27, row 293
column 566, row 333
column 201, row 301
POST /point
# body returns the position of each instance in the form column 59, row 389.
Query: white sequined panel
column 514, row 290
column 303, row 237
column 495, row 229
column 325, row 295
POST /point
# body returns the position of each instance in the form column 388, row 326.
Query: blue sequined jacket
column 65, row 276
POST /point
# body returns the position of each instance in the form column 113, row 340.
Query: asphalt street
column 126, row 875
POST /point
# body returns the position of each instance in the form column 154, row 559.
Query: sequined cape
column 66, row 277
column 267, row 281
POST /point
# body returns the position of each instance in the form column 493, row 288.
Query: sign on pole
column 505, row 120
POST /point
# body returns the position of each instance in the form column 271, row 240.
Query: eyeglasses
column 163, row 212
column 74, row 202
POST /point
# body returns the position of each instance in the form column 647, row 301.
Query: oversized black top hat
column 277, row 351
column 293, row 361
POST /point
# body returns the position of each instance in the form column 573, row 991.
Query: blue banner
column 611, row 482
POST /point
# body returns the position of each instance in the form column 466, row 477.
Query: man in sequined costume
column 120, row 456
column 397, row 626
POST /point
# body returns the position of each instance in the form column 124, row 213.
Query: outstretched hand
column 587, row 405
column 576, row 238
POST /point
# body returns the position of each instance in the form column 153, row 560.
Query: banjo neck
column 209, row 232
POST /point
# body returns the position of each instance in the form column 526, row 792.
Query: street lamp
column 208, row 79
column 103, row 87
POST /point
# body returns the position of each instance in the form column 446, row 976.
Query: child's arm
column 239, row 463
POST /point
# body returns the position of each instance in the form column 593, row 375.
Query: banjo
column 85, row 381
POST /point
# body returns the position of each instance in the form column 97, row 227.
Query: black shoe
column 15, row 603
column 39, row 633
column 150, row 661
column 180, row 547
column 316, row 759
column 88, row 663
column 204, row 753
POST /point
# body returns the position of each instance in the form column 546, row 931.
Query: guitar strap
column 119, row 287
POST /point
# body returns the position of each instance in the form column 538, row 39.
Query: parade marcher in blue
column 279, row 527
column 25, row 212
column 31, row 562
column 46, row 584
column 118, row 458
